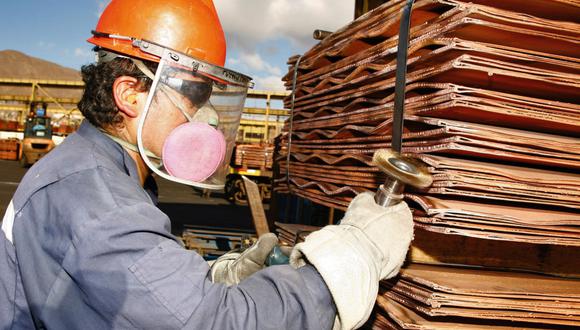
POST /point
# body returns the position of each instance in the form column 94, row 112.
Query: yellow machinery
column 254, row 145
column 37, row 139
column 261, row 124
column 28, row 99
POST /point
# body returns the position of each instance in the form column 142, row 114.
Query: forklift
column 37, row 139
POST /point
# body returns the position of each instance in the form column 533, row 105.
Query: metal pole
column 400, row 82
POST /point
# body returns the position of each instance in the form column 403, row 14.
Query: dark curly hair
column 97, row 103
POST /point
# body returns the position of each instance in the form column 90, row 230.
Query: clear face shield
column 189, row 124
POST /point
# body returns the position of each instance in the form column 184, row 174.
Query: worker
column 83, row 245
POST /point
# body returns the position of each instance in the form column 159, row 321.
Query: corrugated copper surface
column 493, row 108
column 437, row 291
column 491, row 86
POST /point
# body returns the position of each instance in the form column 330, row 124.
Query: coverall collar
column 118, row 154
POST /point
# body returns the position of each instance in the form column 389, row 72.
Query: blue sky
column 261, row 34
column 54, row 30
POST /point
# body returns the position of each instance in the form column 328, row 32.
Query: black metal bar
column 289, row 148
column 400, row 82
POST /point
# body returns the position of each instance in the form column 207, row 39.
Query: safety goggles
column 198, row 92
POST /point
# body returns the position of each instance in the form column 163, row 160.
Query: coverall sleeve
column 13, row 306
column 131, row 269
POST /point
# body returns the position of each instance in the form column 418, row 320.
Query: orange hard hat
column 191, row 27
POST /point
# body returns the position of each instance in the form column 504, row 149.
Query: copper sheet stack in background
column 254, row 155
column 446, row 294
column 9, row 148
column 492, row 107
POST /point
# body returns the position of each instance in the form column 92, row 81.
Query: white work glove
column 369, row 245
column 233, row 267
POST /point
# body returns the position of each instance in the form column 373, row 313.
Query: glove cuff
column 350, row 267
column 221, row 271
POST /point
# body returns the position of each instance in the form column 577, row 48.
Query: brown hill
column 14, row 64
column 17, row 65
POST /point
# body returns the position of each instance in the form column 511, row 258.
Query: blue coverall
column 90, row 250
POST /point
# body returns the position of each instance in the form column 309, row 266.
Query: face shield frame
column 170, row 61
column 222, row 74
column 222, row 80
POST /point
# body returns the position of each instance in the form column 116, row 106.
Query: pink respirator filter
column 193, row 151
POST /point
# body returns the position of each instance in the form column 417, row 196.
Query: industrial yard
column 421, row 170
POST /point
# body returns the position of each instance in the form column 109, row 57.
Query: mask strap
column 175, row 103
column 141, row 66
column 129, row 145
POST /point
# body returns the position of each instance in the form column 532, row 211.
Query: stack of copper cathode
column 254, row 155
column 493, row 108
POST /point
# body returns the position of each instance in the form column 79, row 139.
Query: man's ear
column 125, row 93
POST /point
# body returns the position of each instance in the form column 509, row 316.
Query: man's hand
column 233, row 267
column 370, row 244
